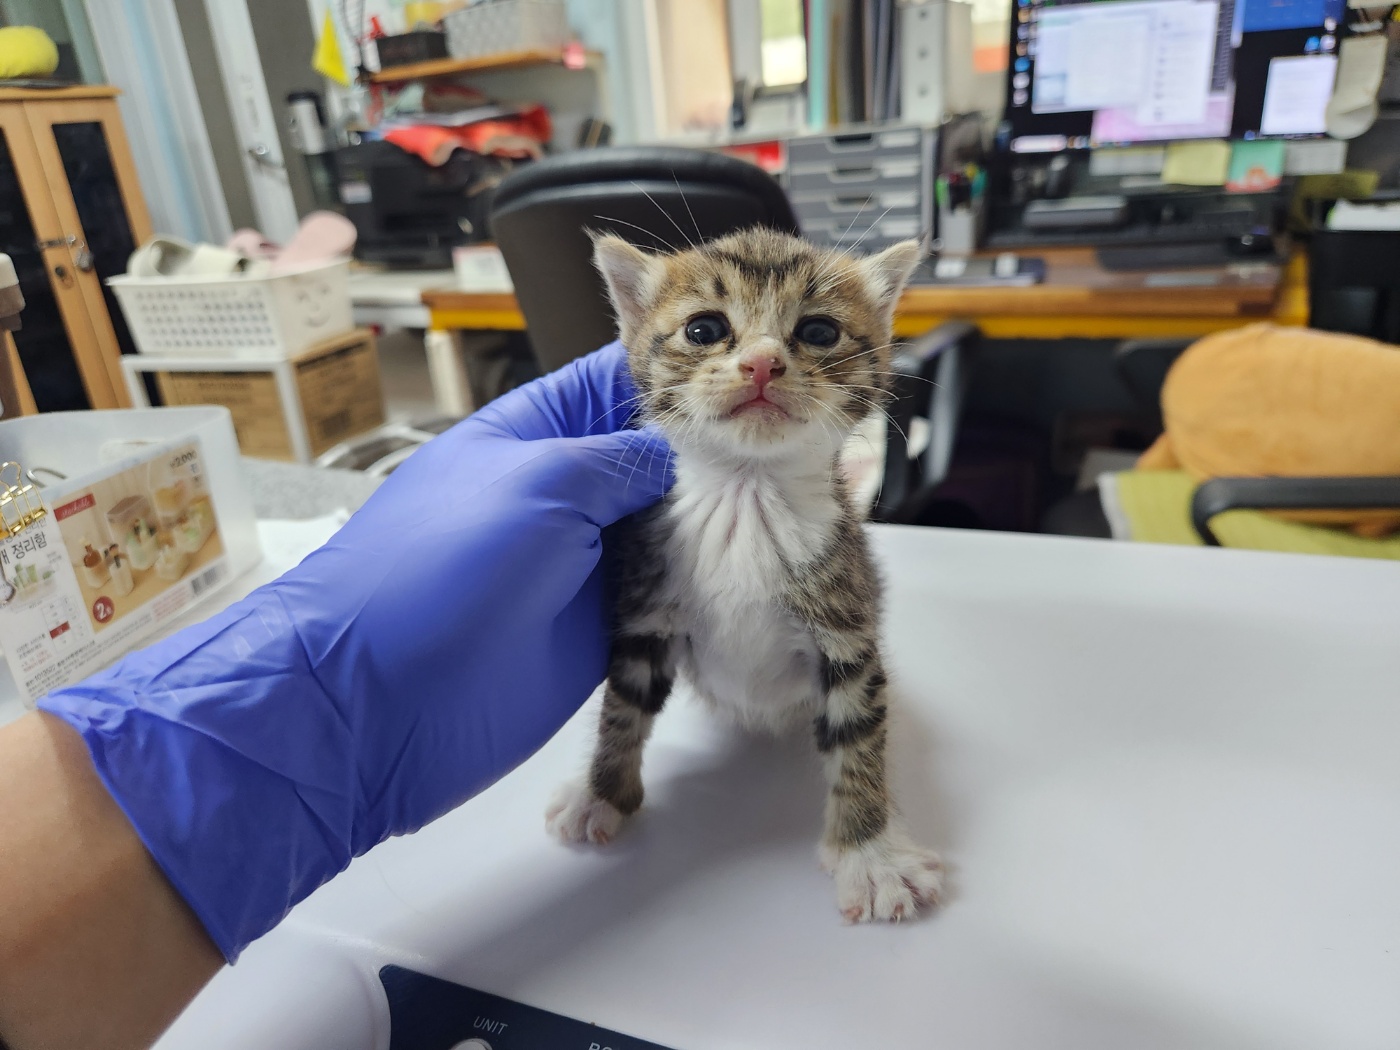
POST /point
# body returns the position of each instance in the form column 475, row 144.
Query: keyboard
column 1200, row 241
column 1196, row 231
column 1174, row 256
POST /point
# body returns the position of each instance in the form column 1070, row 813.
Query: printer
column 410, row 214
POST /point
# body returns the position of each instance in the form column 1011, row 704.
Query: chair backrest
column 657, row 197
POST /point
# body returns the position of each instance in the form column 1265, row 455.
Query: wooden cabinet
column 71, row 213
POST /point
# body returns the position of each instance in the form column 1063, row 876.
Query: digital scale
column 1164, row 780
column 425, row 1013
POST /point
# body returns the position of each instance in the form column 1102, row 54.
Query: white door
column 254, row 119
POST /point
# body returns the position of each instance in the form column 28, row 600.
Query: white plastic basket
column 495, row 26
column 242, row 316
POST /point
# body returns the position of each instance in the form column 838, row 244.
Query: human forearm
column 96, row 948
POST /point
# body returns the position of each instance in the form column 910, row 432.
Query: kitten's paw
column 887, row 879
column 576, row 815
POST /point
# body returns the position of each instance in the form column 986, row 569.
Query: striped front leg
column 851, row 736
column 640, row 674
column 881, row 874
column 641, row 670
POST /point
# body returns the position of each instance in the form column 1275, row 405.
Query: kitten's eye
column 818, row 331
column 706, row 330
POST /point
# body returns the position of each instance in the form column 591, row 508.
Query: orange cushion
column 1264, row 400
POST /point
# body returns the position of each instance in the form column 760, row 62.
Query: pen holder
column 960, row 228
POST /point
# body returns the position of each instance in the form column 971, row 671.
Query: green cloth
column 1155, row 507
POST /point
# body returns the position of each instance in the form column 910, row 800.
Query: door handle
column 263, row 156
column 85, row 261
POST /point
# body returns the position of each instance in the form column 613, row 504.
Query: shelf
column 57, row 94
column 446, row 67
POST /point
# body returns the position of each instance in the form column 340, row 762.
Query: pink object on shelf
column 252, row 244
column 322, row 236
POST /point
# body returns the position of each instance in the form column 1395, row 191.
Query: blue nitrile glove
column 439, row 639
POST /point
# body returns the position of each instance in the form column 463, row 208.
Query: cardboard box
column 288, row 410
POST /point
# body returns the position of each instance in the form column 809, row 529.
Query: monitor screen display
column 1094, row 72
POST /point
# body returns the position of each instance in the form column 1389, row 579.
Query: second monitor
column 1097, row 72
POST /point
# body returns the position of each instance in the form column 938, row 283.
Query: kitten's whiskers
column 825, row 365
column 664, row 212
column 848, row 250
column 639, row 229
column 681, row 193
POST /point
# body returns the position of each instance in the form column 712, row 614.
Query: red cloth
column 520, row 136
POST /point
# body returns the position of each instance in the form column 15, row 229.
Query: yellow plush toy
column 26, row 51
column 1266, row 401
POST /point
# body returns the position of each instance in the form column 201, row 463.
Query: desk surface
column 394, row 298
column 1164, row 780
column 1077, row 299
column 371, row 287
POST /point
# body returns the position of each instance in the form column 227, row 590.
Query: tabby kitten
column 756, row 355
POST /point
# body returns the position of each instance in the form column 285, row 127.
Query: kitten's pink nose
column 761, row 368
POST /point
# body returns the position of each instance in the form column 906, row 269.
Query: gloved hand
column 439, row 639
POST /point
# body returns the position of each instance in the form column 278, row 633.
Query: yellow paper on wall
column 327, row 59
column 1204, row 163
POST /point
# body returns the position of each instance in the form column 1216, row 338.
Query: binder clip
column 20, row 504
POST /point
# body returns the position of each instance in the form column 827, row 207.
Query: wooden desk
column 1078, row 299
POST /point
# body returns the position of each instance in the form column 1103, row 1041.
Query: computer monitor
column 1085, row 73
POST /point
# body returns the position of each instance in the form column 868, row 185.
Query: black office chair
column 931, row 376
column 657, row 197
column 1143, row 365
column 1354, row 282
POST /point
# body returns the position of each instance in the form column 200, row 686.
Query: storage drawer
column 848, row 205
column 865, row 236
column 855, row 146
column 857, row 176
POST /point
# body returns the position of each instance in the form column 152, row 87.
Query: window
column 784, row 44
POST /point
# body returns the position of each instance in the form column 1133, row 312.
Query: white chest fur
column 738, row 535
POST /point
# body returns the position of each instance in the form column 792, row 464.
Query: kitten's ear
column 887, row 271
column 632, row 277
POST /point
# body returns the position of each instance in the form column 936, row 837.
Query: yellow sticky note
column 1204, row 163
column 1353, row 184
column 327, row 60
